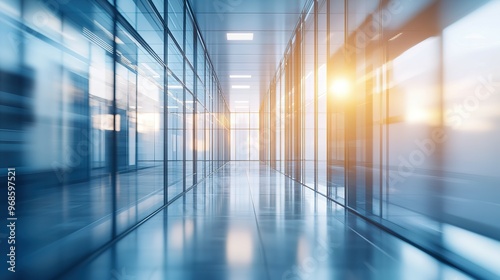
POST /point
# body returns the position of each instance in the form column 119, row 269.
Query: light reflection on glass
column 86, row 117
column 413, row 145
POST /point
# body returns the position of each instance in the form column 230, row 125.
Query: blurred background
column 110, row 110
column 392, row 109
column 100, row 131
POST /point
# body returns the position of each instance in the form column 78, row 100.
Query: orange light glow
column 341, row 87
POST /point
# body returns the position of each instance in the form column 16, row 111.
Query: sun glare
column 341, row 87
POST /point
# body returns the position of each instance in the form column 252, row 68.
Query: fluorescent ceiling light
column 239, row 36
column 240, row 87
column 189, row 101
column 240, row 76
column 241, row 102
column 241, row 107
column 175, row 87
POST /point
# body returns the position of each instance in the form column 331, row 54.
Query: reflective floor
column 249, row 222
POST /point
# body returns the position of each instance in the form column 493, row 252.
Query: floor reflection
column 248, row 222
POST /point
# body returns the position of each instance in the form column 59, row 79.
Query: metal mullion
column 118, row 18
column 195, row 107
column 249, row 144
column 157, row 14
column 165, row 109
column 114, row 136
column 328, row 107
column 315, row 94
column 298, row 100
column 177, row 79
column 127, row 27
column 174, row 41
column 184, row 99
column 209, row 60
column 301, row 97
column 346, row 134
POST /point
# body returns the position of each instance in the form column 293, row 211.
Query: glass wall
column 388, row 108
column 245, row 136
column 109, row 110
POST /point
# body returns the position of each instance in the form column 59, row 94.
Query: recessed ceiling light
column 241, row 87
column 239, row 36
column 241, row 102
column 241, row 107
column 240, row 76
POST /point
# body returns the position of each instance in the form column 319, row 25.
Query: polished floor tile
column 249, row 222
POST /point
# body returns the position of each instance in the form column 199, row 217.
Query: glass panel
column 175, row 138
column 254, row 144
column 471, row 180
column 190, row 140
column 176, row 20
column 175, row 59
column 309, row 101
column 142, row 18
column 56, row 81
column 83, row 120
column 200, row 142
column 190, row 76
column 189, row 40
column 139, row 88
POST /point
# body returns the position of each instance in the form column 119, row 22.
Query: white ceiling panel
column 272, row 23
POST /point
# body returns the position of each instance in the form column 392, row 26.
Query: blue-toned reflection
column 249, row 222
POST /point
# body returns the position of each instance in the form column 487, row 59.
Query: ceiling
column 272, row 23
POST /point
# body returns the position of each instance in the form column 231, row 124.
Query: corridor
column 263, row 139
column 247, row 221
